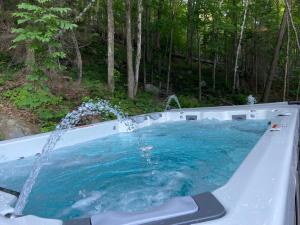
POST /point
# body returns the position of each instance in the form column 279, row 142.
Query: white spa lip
column 260, row 192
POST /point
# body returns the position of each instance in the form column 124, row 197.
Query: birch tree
column 110, row 46
column 130, row 72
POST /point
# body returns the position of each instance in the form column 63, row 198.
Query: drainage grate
column 239, row 117
column 191, row 117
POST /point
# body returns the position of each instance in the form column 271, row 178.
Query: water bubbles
column 146, row 148
column 251, row 100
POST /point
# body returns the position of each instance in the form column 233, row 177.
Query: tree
column 110, row 46
column 78, row 57
column 139, row 46
column 158, row 35
column 172, row 5
column 267, row 89
column 199, row 69
column 190, row 29
column 38, row 27
column 167, row 43
column 130, row 73
column 236, row 80
column 1, row 5
column 287, row 61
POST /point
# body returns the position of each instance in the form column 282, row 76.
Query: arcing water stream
column 170, row 99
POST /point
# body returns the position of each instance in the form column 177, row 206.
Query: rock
column 14, row 128
column 152, row 89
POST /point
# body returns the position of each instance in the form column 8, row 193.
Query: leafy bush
column 188, row 101
column 48, row 108
column 96, row 89
column 27, row 97
column 2, row 81
column 50, row 117
column 143, row 103
column 239, row 99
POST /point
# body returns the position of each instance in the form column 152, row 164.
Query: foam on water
column 114, row 174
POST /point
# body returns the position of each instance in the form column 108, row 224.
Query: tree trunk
column 226, row 70
column 214, row 71
column 190, row 30
column 30, row 58
column 147, row 26
column 110, row 46
column 286, row 71
column 289, row 8
column 199, row 70
column 84, row 11
column 226, row 60
column 145, row 52
column 144, row 66
column 236, row 80
column 139, row 45
column 170, row 60
column 130, row 73
column 78, row 57
column 170, row 48
column 158, row 37
column 267, row 89
column 256, row 71
column 298, row 90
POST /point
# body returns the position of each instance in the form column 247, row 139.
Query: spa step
column 183, row 211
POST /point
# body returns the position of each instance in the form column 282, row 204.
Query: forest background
column 54, row 54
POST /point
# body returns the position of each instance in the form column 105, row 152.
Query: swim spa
column 228, row 153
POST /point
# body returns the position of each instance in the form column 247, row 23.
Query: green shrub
column 2, row 81
column 239, row 99
column 27, row 97
column 188, row 102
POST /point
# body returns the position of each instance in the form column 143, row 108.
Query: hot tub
column 259, row 188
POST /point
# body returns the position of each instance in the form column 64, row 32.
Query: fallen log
column 206, row 61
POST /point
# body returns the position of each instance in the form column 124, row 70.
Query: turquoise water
column 114, row 174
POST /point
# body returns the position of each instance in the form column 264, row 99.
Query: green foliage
column 188, row 102
column 27, row 97
column 143, row 103
column 239, row 99
column 2, row 137
column 39, row 27
column 2, row 81
column 48, row 108
column 4, row 59
column 97, row 89
column 118, row 77
column 49, row 116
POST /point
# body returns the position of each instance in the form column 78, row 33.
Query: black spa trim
column 209, row 208
column 191, row 117
column 239, row 117
column 8, row 191
column 294, row 102
column 86, row 221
